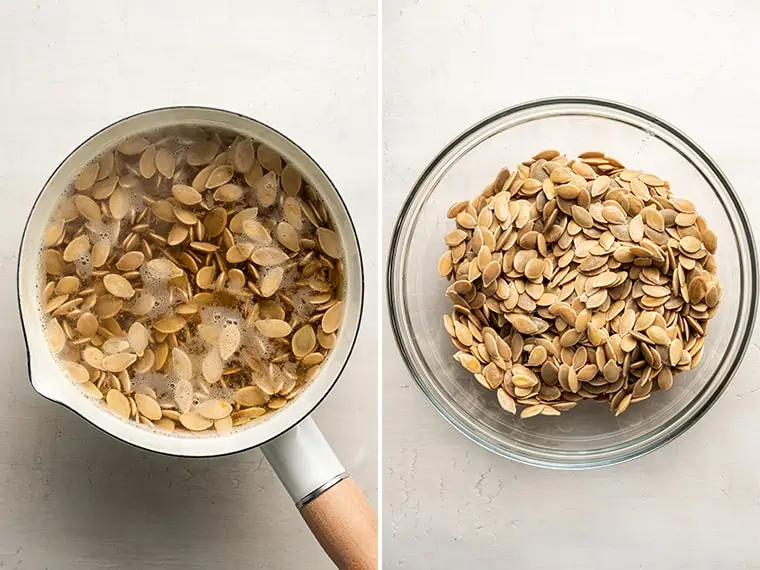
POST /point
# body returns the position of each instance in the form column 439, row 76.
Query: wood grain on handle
column 345, row 525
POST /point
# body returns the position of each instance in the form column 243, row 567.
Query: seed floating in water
column 192, row 279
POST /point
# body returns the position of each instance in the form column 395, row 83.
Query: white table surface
column 694, row 504
column 72, row 498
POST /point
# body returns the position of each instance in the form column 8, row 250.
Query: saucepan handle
column 333, row 506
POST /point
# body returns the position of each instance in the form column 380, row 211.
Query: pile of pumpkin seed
column 578, row 279
column 165, row 228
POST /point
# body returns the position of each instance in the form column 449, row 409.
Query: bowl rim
column 651, row 443
column 354, row 235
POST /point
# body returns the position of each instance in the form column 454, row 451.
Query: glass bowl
column 589, row 435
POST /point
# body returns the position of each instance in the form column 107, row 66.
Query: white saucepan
column 329, row 501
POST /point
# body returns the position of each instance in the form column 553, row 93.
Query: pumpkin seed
column 268, row 256
column 117, row 286
column 219, row 176
column 195, row 421
column 595, row 276
column 273, row 328
column 148, row 407
column 118, row 403
column 214, row 409
column 135, row 282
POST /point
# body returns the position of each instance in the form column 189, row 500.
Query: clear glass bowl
column 589, row 435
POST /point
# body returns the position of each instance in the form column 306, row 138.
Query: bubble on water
column 181, row 177
column 136, row 201
column 222, row 392
column 302, row 307
column 84, row 266
column 221, row 316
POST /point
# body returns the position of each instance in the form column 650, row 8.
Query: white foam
column 84, row 266
column 157, row 286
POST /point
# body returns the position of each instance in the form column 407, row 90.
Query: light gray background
column 70, row 497
column 449, row 504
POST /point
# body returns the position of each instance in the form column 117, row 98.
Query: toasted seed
column 675, row 351
column 215, row 221
column 651, row 180
column 623, row 405
column 94, row 357
column 537, row 356
column 532, row 411
column 602, row 272
column 470, row 363
column 690, row 244
column 582, row 217
column 658, row 335
column 665, row 379
column 205, row 277
column 506, row 401
column 710, row 240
